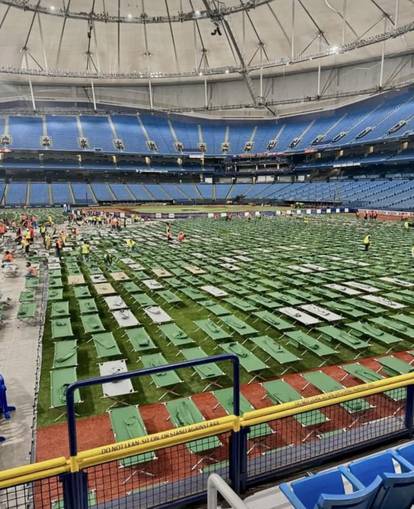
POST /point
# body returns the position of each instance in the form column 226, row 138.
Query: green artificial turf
column 272, row 246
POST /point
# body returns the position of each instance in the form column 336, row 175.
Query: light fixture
column 334, row 50
column 200, row 73
column 227, row 71
column 52, row 7
column 197, row 14
column 129, row 15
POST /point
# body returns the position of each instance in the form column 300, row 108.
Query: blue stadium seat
column 328, row 490
column 39, row 193
column 61, row 193
column 102, row 192
column 129, row 130
column 82, row 193
column 98, row 132
column 26, row 132
column 397, row 489
column 407, row 452
column 63, row 131
column 16, row 193
column 121, row 192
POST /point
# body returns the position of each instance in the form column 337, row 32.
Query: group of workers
column 180, row 237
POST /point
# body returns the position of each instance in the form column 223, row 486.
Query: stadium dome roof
column 186, row 39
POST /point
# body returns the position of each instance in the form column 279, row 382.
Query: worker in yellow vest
column 130, row 244
column 85, row 250
column 367, row 242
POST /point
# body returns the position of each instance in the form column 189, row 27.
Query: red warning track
column 179, row 462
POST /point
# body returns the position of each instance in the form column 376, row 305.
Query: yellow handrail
column 176, row 436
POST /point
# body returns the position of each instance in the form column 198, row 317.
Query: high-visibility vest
column 85, row 248
column 367, row 239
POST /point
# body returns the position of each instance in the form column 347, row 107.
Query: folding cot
column 119, row 387
column 212, row 330
column 140, row 339
column 61, row 328
column 394, row 325
column 248, row 360
column 304, row 295
column 170, row 297
column 119, row 276
column 143, row 299
column 407, row 319
column 184, row 412
column 54, row 294
column 262, row 300
column 299, row 315
column 125, row 318
column 346, row 309
column 216, row 309
column 400, row 296
column 27, row 310
column 87, row 305
column 28, row 296
column 281, row 392
column 130, row 287
column 367, row 375
column 343, row 337
column 60, row 379
column 241, row 304
column 59, row 308
column 81, row 291
column 274, row 320
column 379, row 335
column 325, row 384
column 175, row 335
column 369, row 307
column 205, row 371
column 106, row 345
column 92, row 323
column 165, row 379
column 55, row 282
column 76, row 279
column 115, row 302
column 65, row 355
column 394, row 366
column 225, row 398
column 313, row 345
column 274, row 350
column 192, row 293
column 238, row 325
column 127, row 423
column 285, row 298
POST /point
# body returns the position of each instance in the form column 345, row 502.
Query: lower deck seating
column 394, row 194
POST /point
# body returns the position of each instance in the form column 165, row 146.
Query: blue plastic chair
column 326, row 490
column 397, row 489
column 407, row 452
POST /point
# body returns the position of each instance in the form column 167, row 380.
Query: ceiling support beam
column 93, row 95
column 381, row 76
column 32, row 95
column 292, row 30
column 217, row 17
column 177, row 63
column 65, row 19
